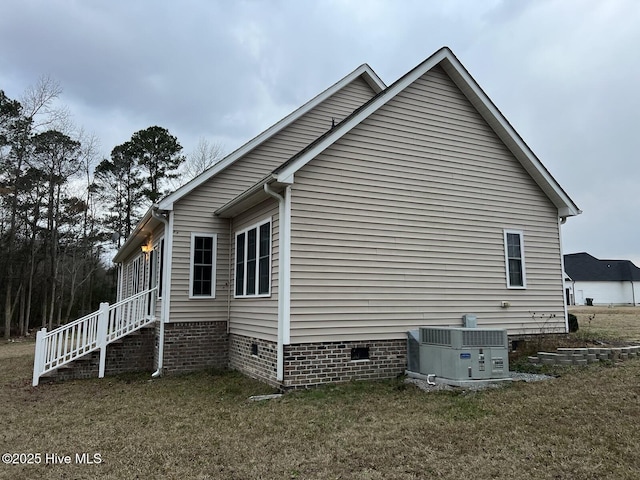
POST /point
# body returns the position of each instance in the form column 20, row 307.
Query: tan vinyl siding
column 194, row 212
column 400, row 224
column 257, row 317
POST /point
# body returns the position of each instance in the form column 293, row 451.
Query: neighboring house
column 601, row 282
column 305, row 256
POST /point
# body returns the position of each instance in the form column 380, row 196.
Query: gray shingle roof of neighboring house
column 585, row 267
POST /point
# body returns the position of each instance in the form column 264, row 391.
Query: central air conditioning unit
column 463, row 353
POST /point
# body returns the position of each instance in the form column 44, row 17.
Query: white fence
column 92, row 332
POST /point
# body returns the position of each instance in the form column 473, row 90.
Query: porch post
column 103, row 320
column 38, row 361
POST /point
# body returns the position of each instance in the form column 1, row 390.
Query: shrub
column 573, row 323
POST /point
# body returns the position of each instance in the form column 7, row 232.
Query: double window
column 514, row 258
column 253, row 261
column 203, row 274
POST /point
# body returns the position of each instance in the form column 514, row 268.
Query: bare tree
column 39, row 104
column 204, row 156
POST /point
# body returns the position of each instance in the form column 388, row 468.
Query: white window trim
column 235, row 256
column 214, row 254
column 520, row 233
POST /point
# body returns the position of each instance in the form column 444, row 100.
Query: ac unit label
column 465, row 356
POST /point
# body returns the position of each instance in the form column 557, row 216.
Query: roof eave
column 514, row 142
column 445, row 57
column 364, row 70
column 139, row 236
column 251, row 197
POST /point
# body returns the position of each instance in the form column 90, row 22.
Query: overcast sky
column 564, row 73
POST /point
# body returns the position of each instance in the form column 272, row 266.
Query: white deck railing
column 92, row 332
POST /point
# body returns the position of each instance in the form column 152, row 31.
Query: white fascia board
column 495, row 118
column 345, row 127
column 250, row 197
column 464, row 81
column 365, row 70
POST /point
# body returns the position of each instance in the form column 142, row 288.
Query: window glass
column 253, row 260
column 202, row 266
column 515, row 260
column 240, row 264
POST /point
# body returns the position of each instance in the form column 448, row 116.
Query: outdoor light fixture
column 146, row 249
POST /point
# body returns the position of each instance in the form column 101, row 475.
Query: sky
column 565, row 73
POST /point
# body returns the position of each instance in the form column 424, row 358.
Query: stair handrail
column 94, row 331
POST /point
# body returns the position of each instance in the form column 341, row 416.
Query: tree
column 50, row 266
column 57, row 156
column 121, row 187
column 203, row 157
column 157, row 153
column 14, row 134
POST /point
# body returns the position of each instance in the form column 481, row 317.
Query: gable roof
column 584, row 267
column 364, row 71
column 461, row 77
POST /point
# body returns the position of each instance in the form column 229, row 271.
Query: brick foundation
column 307, row 365
column 262, row 365
column 190, row 346
column 133, row 353
column 330, row 362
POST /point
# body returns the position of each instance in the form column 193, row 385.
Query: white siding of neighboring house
column 400, row 224
column 194, row 212
column 606, row 293
column 257, row 317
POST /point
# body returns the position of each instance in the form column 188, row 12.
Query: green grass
column 202, row 426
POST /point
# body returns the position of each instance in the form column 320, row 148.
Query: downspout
column 120, row 280
column 562, row 221
column 231, row 245
column 284, row 213
column 165, row 294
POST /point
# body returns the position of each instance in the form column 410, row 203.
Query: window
column 360, row 353
column 203, row 275
column 514, row 258
column 253, row 261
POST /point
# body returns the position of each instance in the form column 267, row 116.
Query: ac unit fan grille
column 482, row 338
column 434, row 336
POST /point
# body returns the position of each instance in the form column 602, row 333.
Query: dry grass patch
column 617, row 322
column 201, row 426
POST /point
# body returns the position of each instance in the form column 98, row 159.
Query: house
column 305, row 256
column 601, row 282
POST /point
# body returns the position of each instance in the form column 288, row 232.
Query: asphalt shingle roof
column 585, row 267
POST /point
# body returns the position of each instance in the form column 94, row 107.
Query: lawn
column 621, row 322
column 583, row 424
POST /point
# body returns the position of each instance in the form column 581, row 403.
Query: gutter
column 284, row 275
column 164, row 310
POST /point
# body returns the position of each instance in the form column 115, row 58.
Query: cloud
column 563, row 73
